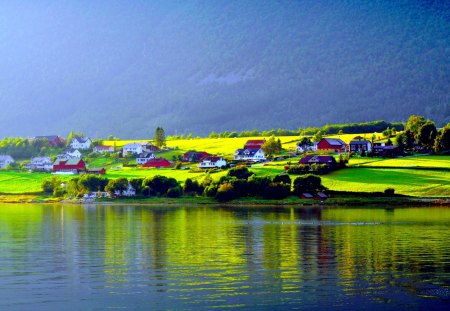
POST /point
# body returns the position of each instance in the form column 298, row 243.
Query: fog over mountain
column 126, row 67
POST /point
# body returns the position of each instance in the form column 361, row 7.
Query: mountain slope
column 119, row 68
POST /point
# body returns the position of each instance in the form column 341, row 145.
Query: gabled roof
column 317, row 159
column 253, row 143
column 74, row 161
column 71, row 150
column 132, row 145
column 247, row 151
column 4, row 157
column 212, row 159
column 335, row 141
column 359, row 142
column 81, row 140
column 40, row 159
column 103, row 147
column 146, row 155
column 159, row 162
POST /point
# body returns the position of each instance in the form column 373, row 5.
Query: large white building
column 5, row 160
column 80, row 143
column 250, row 154
column 40, row 164
column 211, row 162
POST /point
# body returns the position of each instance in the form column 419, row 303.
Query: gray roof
column 335, row 141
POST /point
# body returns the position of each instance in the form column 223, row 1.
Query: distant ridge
column 202, row 66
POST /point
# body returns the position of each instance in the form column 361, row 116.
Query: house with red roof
column 252, row 151
column 332, row 145
column 254, row 144
column 70, row 166
column 157, row 163
column 194, row 156
column 211, row 162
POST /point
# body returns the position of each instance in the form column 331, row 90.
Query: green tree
column 271, row 146
column 318, row 135
column 426, row 135
column 307, row 184
column 241, row 172
column 414, row 123
column 400, row 139
column 442, row 142
column 159, row 137
column 119, row 184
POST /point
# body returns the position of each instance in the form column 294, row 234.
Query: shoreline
column 347, row 201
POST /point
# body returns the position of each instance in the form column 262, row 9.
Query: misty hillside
column 125, row 67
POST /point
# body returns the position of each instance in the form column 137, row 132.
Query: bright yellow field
column 218, row 146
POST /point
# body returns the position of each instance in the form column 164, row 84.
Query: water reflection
column 203, row 257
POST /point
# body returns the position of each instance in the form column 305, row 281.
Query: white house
column 5, row 160
column 130, row 192
column 101, row 149
column 307, row 147
column 358, row 144
column 210, row 162
column 133, row 148
column 69, row 154
column 250, row 154
column 80, row 143
column 40, row 164
column 145, row 157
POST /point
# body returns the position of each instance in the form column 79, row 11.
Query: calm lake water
column 57, row 257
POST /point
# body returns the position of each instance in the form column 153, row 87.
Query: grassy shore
column 356, row 199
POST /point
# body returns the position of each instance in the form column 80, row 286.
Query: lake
column 96, row 257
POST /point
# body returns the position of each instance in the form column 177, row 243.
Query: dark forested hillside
column 125, row 67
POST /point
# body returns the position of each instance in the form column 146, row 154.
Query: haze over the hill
column 125, row 67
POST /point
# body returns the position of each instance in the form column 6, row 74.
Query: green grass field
column 367, row 176
column 431, row 161
column 404, row 181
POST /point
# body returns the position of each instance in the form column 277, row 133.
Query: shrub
column 308, row 183
column 211, row 190
column 277, row 191
column 282, row 178
column 240, row 172
column 192, row 187
column 257, row 185
column 389, row 191
column 225, row 192
column 175, row 192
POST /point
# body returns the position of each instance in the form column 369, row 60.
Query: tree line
column 238, row 183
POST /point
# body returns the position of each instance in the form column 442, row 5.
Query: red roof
column 69, row 165
column 159, row 162
column 254, row 144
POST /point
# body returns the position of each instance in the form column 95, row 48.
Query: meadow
column 425, row 183
column 363, row 174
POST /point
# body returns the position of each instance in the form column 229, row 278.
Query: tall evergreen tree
column 160, row 137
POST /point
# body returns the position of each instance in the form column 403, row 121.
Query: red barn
column 254, row 144
column 158, row 162
column 71, row 166
column 331, row 145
